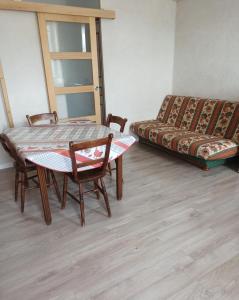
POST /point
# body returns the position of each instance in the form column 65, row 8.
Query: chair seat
column 207, row 147
column 28, row 167
column 86, row 176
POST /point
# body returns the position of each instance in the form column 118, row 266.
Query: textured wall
column 206, row 48
column 138, row 50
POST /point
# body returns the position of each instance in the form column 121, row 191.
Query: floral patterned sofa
column 203, row 131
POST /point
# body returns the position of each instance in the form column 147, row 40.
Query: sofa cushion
column 145, row 128
column 172, row 109
column 203, row 146
column 201, row 115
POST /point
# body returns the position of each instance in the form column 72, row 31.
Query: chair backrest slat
column 90, row 163
column 103, row 161
column 111, row 119
column 34, row 119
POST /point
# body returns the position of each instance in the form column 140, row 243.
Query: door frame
column 49, row 56
column 19, row 5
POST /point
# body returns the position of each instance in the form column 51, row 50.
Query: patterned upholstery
column 203, row 128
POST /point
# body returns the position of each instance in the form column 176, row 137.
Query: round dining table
column 48, row 148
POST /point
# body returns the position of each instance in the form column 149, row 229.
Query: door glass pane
column 76, row 105
column 82, row 3
column 68, row 37
column 72, row 72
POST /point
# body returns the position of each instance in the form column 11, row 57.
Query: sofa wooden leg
column 205, row 168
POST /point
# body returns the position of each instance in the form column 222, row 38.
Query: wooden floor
column 175, row 235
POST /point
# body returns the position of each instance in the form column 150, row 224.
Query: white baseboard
column 6, row 166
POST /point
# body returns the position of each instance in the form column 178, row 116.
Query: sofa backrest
column 205, row 116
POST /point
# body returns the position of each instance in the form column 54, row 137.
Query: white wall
column 20, row 55
column 207, row 48
column 138, row 50
column 5, row 161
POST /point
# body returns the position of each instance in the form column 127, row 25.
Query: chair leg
column 48, row 177
column 109, row 169
column 97, row 190
column 55, row 185
column 65, row 185
column 26, row 181
column 105, row 197
column 23, row 183
column 82, row 205
column 16, row 185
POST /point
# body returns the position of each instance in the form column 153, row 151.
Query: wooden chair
column 94, row 175
column 52, row 118
column 23, row 168
column 111, row 119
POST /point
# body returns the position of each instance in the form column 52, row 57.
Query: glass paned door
column 71, row 65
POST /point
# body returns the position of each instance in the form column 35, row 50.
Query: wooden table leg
column 41, row 172
column 119, row 177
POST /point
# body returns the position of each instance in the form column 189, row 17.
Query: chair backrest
column 102, row 161
column 4, row 144
column 8, row 147
column 52, row 118
column 111, row 119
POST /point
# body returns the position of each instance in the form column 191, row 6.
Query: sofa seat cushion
column 207, row 147
column 145, row 128
column 203, row 146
